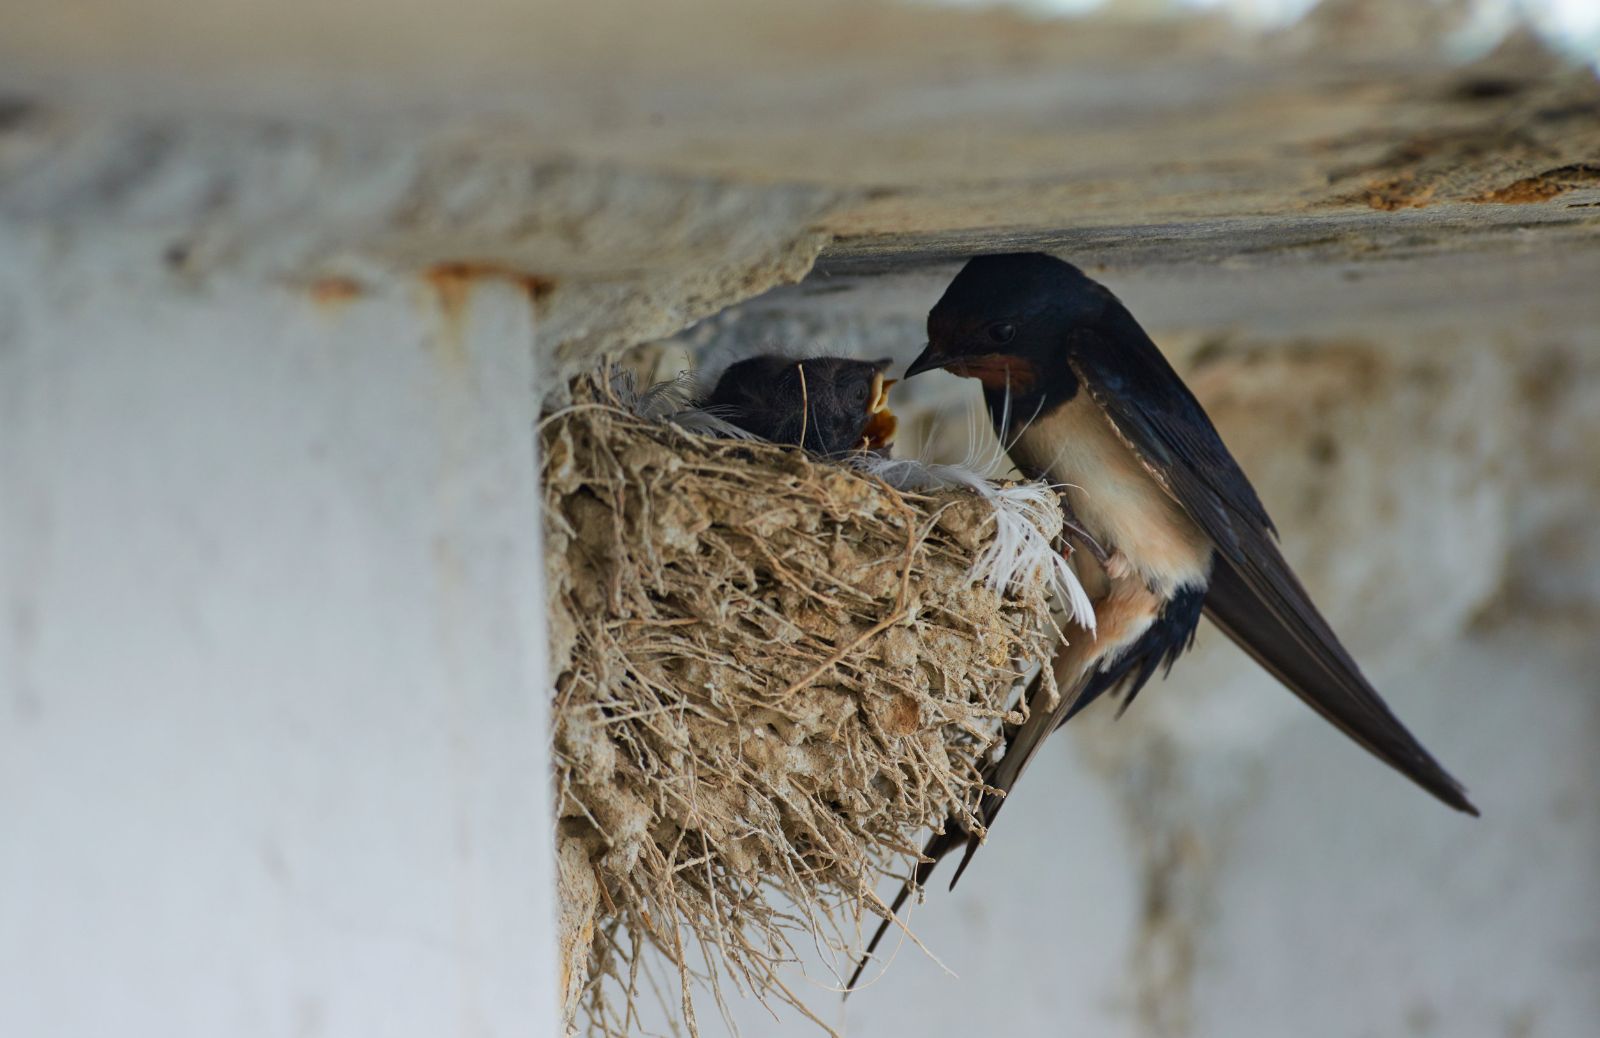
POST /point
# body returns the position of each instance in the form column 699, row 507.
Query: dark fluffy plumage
column 823, row 404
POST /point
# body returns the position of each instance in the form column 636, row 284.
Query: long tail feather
column 1327, row 682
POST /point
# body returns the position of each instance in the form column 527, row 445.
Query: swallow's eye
column 1001, row 333
column 858, row 394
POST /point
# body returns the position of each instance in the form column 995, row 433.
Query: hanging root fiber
column 772, row 673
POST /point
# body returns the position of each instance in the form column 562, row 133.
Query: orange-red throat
column 995, row 370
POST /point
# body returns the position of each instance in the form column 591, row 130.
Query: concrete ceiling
column 643, row 166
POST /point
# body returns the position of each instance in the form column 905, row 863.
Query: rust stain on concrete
column 1403, row 192
column 452, row 283
column 1544, row 186
column 453, row 280
column 333, row 291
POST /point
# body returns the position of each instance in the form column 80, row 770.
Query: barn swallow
column 1081, row 398
column 828, row 405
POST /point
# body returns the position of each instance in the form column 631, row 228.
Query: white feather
column 706, row 422
column 1021, row 549
column 674, row 401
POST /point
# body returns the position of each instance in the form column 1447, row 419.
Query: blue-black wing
column 1254, row 596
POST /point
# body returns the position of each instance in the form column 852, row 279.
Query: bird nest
column 772, row 671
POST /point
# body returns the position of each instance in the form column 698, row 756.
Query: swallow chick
column 1081, row 397
column 828, row 405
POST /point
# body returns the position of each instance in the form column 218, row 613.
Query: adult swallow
column 828, row 405
column 1082, row 398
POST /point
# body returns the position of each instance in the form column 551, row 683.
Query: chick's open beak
column 881, row 422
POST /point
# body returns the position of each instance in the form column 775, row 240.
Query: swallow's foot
column 1075, row 531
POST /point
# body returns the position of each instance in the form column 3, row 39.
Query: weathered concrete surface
column 609, row 256
column 640, row 178
column 1378, row 267
column 272, row 722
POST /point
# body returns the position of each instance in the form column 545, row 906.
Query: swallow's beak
column 929, row 359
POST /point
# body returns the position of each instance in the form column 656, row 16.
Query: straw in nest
column 772, row 673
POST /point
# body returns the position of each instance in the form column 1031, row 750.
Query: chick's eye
column 858, row 394
column 1001, row 333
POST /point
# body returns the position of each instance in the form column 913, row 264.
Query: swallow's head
column 843, row 404
column 1005, row 318
column 829, row 405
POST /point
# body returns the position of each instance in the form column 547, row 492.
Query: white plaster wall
column 272, row 689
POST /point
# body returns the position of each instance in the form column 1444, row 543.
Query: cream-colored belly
column 1115, row 498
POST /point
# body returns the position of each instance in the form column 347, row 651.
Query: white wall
column 272, row 735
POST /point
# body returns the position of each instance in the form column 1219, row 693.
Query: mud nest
column 772, row 672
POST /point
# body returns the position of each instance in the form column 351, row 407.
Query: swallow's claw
column 1073, row 530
